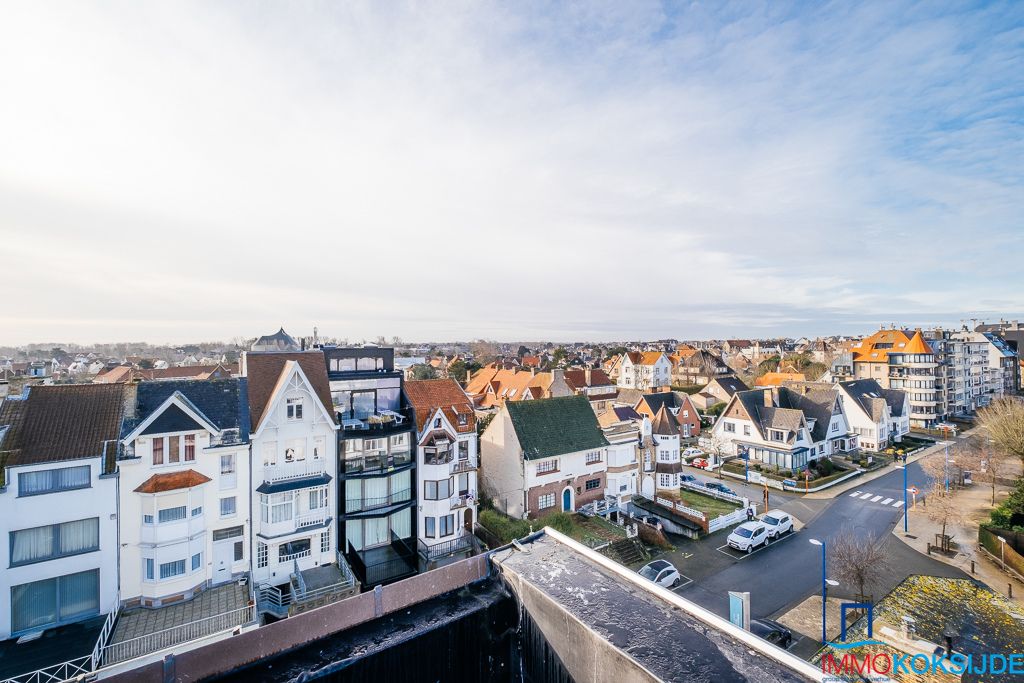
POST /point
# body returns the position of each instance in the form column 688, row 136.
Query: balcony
column 383, row 564
column 376, row 462
column 298, row 469
column 434, row 554
column 465, row 500
column 378, row 424
column 295, row 524
column 367, row 504
column 461, row 466
column 171, row 532
column 308, row 589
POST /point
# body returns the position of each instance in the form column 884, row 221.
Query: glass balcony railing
column 377, row 461
column 363, row 503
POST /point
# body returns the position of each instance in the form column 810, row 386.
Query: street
column 787, row 571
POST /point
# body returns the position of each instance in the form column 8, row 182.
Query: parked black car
column 772, row 631
column 720, row 487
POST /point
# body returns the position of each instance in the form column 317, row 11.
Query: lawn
column 587, row 530
column 710, row 506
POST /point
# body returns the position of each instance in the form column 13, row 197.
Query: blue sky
column 174, row 172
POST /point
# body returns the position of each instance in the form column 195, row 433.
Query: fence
column 723, row 521
column 160, row 640
column 697, row 488
column 55, row 673
column 988, row 538
column 679, row 507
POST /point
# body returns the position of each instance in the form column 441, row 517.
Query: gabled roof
column 789, row 408
column 775, row 379
column 172, row 481
column 426, row 396
column 555, row 426
column 644, row 357
column 872, row 398
column 266, row 370
column 663, row 399
column 577, row 379
column 61, row 422
column 220, row 402
column 729, row 385
column 877, row 347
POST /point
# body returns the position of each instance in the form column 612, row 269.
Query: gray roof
column 555, row 426
column 788, row 407
column 872, row 398
column 730, row 384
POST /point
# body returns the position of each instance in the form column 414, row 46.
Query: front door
column 469, row 520
column 567, row 500
column 223, row 555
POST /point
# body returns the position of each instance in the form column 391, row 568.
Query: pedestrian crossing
column 874, row 498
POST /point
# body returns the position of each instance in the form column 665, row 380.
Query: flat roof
column 668, row 636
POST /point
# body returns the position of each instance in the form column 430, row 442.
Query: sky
column 175, row 172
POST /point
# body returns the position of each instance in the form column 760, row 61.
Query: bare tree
column 1003, row 421
column 857, row 560
column 985, row 461
column 943, row 508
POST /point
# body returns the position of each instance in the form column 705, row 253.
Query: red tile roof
column 428, row 395
column 264, row 371
column 172, row 481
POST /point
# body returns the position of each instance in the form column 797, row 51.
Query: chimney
column 767, row 398
column 533, row 370
column 243, row 365
column 469, row 376
column 586, row 374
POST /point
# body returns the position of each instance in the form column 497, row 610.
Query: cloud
column 184, row 171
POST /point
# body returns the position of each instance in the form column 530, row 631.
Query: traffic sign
column 913, row 490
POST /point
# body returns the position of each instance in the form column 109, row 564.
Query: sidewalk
column 975, row 503
column 857, row 482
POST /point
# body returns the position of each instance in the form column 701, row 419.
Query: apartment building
column 377, row 474
column 904, row 360
column 58, row 506
column 447, row 463
column 974, row 369
column 294, row 470
column 542, row 456
column 184, row 489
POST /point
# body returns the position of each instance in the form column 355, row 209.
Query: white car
column 692, row 453
column 662, row 573
column 748, row 536
column 777, row 523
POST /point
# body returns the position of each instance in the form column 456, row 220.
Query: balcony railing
column 376, row 461
column 466, row 543
column 464, row 500
column 384, row 421
column 362, row 503
column 294, row 556
column 463, row 466
column 398, row 562
column 298, row 469
column 295, row 523
column 160, row 640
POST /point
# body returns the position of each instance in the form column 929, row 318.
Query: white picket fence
column 697, row 488
column 679, row 507
column 727, row 520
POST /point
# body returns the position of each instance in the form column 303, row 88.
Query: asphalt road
column 788, row 571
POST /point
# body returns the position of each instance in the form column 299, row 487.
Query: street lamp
column 906, row 522
column 1002, row 551
column 825, row 583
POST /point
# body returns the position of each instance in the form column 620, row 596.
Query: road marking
column 865, row 496
column 886, row 501
column 729, row 551
column 897, row 504
column 876, row 499
column 684, row 584
column 855, row 493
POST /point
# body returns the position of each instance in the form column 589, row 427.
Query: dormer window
column 437, row 423
column 294, row 408
column 777, row 435
column 463, row 419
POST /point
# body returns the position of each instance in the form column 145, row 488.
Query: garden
column 586, row 530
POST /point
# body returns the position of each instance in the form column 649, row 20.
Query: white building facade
column 645, row 370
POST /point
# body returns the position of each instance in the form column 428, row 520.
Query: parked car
column 772, row 631
column 748, row 536
column 700, row 462
column 662, row 573
column 692, row 452
column 722, row 488
column 688, row 477
column 777, row 522
column 946, row 426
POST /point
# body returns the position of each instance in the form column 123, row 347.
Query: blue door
column 567, row 500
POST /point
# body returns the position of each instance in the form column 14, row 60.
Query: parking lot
column 740, row 555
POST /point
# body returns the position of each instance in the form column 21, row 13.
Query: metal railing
column 463, row 466
column 108, row 628
column 294, row 556
column 376, row 461
column 464, row 500
column 299, row 469
column 357, row 504
column 56, row 673
column 465, row 543
column 183, row 633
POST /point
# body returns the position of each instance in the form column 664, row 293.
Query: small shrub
column 1000, row 517
column 559, row 521
column 504, row 527
column 825, row 466
column 813, row 464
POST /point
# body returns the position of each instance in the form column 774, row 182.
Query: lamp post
column 825, row 583
column 906, row 522
column 945, row 466
column 1002, row 551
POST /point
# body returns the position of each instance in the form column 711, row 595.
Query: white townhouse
column 784, row 427
column 184, row 490
column 542, row 456
column 294, row 444
column 669, row 461
column 58, row 506
column 629, row 442
column 879, row 417
column 645, row 370
column 447, row 463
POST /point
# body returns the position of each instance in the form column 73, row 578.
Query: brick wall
column 581, row 496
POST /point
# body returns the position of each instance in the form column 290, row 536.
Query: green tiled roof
column 554, row 426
